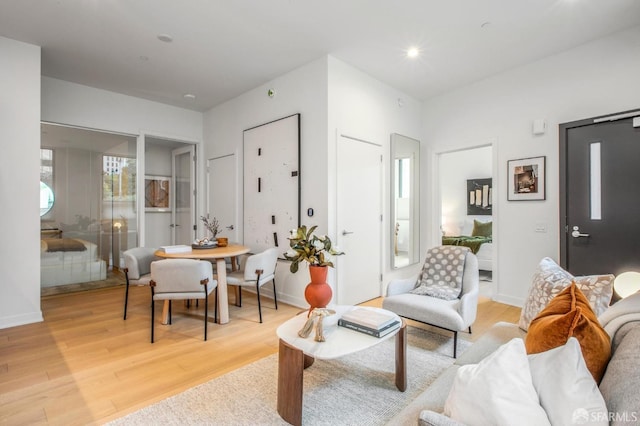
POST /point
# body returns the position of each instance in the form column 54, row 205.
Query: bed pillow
column 442, row 273
column 497, row 391
column 568, row 393
column 550, row 279
column 570, row 315
column 481, row 229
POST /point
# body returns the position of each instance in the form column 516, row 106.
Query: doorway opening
column 466, row 188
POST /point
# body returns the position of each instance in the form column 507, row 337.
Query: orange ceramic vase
column 318, row 293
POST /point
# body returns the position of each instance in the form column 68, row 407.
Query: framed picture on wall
column 479, row 197
column 526, row 179
column 157, row 193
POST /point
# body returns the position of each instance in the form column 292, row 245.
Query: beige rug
column 357, row 389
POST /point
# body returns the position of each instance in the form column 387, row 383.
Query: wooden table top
column 211, row 253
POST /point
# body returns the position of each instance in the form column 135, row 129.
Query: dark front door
column 600, row 195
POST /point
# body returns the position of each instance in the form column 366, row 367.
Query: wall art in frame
column 479, row 197
column 526, row 178
column 157, row 193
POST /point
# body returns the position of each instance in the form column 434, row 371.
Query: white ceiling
column 222, row 48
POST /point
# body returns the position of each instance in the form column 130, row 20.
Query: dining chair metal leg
column 206, row 311
column 275, row 295
column 258, row 273
column 152, row 316
column 215, row 309
column 126, row 296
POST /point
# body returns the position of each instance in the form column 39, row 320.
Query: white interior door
column 222, row 193
column 359, row 210
column 184, row 201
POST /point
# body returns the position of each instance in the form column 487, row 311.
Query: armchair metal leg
column 169, row 312
column 455, row 343
column 469, row 329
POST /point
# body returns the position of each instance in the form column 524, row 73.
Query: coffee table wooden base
column 292, row 362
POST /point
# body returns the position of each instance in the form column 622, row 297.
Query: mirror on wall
column 405, row 201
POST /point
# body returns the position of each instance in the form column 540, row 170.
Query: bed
column 69, row 261
column 480, row 245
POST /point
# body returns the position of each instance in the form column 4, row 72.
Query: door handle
column 230, row 227
column 577, row 234
column 347, row 232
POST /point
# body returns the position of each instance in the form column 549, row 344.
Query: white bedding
column 485, row 257
column 69, row 267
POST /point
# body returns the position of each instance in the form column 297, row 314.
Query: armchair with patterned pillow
column 444, row 295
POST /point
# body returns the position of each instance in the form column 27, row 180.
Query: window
column 46, row 181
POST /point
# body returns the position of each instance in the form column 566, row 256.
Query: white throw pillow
column 566, row 388
column 497, row 391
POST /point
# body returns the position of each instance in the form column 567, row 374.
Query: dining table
column 219, row 255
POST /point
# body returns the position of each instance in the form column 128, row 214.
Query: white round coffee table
column 297, row 353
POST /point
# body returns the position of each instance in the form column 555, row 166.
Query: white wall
column 303, row 91
column 329, row 95
column 363, row 107
column 19, row 177
column 455, row 168
column 597, row 78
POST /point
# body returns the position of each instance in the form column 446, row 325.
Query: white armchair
column 454, row 315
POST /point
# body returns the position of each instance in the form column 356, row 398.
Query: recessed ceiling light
column 189, row 96
column 485, row 25
column 413, row 52
column 144, row 58
column 165, row 37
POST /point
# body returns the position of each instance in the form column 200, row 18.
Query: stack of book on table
column 369, row 321
column 176, row 249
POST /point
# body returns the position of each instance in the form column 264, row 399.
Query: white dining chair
column 256, row 270
column 137, row 269
column 182, row 279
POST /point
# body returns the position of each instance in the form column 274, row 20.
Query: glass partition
column 405, row 201
column 88, row 184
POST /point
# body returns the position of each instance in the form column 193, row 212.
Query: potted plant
column 211, row 225
column 316, row 250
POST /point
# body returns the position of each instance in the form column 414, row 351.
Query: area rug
column 358, row 389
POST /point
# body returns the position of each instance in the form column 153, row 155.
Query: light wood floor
column 85, row 365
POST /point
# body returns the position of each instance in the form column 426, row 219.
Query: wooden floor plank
column 85, row 365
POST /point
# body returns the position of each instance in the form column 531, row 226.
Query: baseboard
column 22, row 319
column 509, row 300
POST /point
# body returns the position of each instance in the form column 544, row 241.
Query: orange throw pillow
column 570, row 315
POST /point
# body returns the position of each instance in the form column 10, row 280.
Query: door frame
column 141, row 170
column 435, row 199
column 563, row 130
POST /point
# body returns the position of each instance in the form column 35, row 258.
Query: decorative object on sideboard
column 315, row 250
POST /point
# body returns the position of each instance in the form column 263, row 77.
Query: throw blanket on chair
column 442, row 273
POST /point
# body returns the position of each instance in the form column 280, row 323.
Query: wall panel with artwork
column 271, row 183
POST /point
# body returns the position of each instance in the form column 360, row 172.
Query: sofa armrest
column 431, row 418
column 401, row 286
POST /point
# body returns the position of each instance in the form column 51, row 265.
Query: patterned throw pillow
column 550, row 279
column 442, row 273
